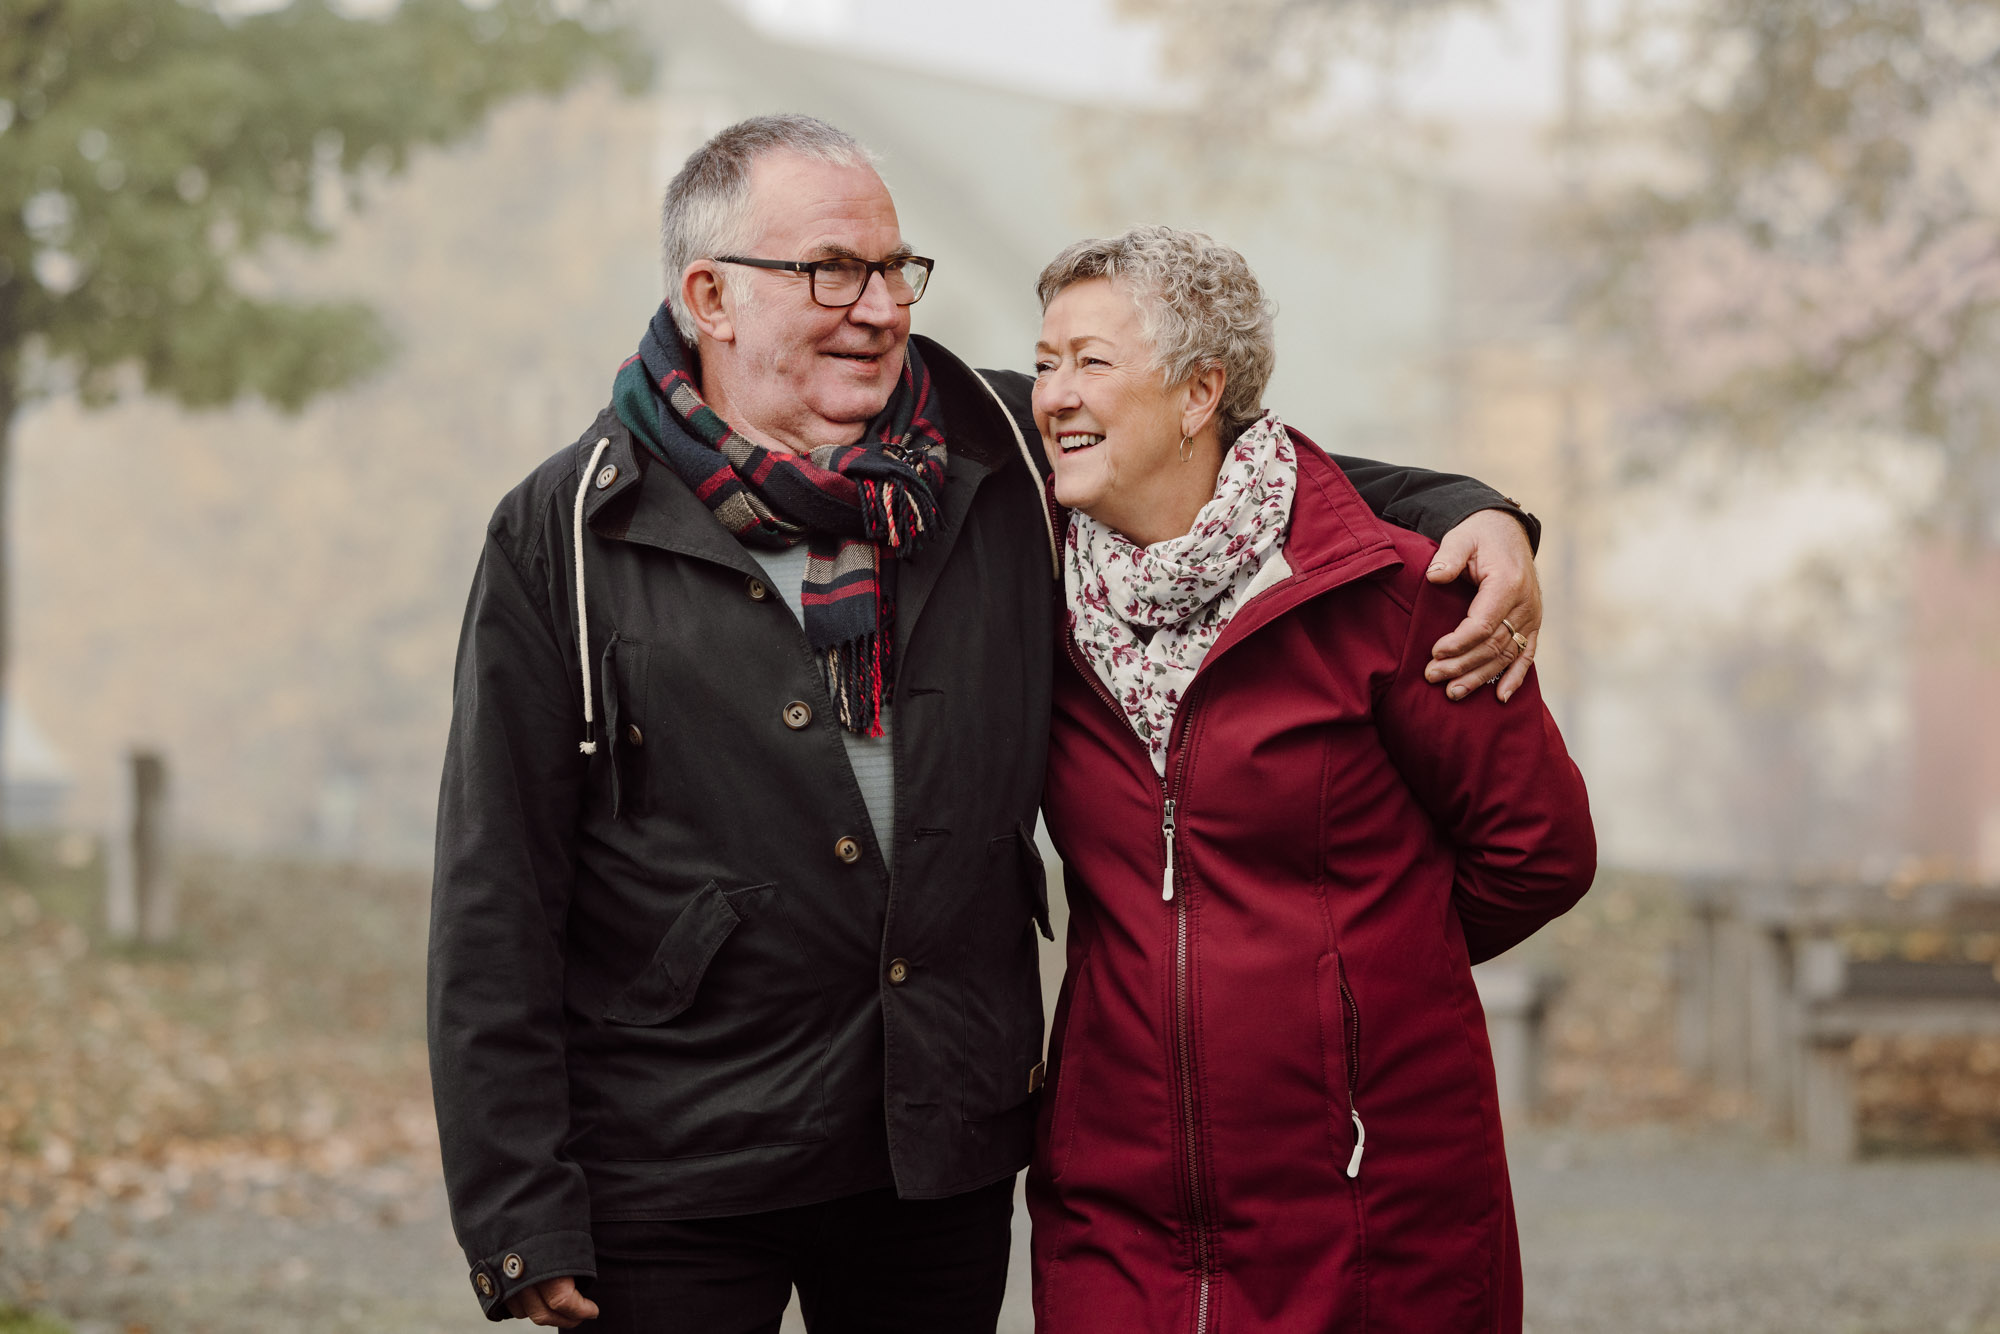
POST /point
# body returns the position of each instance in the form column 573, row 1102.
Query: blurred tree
column 150, row 150
column 1822, row 242
column 1264, row 68
column 1806, row 221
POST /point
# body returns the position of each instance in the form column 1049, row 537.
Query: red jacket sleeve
column 1499, row 783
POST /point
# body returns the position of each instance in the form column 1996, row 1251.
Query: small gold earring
column 1187, row 448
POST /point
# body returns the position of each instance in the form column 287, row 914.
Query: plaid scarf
column 857, row 507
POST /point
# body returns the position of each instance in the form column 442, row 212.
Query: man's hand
column 553, row 1301
column 1492, row 547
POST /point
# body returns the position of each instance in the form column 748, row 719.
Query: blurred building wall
column 1726, row 645
column 273, row 602
column 1954, row 642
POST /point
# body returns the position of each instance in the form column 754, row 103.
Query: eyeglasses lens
column 839, row 282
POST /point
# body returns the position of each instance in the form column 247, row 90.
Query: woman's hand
column 1496, row 640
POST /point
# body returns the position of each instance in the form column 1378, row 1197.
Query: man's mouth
column 857, row 356
column 1070, row 442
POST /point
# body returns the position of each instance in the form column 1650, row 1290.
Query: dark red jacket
column 1345, row 843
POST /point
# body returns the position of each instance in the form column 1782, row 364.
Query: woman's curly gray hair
column 1199, row 305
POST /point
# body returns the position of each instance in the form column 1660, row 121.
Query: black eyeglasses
column 839, row 283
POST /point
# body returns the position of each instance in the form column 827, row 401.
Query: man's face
column 802, row 375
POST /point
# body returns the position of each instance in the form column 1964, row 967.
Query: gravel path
column 1648, row 1232
column 1664, row 1234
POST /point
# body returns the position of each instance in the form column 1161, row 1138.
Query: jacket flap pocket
column 1034, row 877
column 667, row 985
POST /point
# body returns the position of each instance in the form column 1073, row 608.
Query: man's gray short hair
column 707, row 206
column 1199, row 305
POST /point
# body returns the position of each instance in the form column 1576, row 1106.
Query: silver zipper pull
column 1167, row 829
column 1360, row 1139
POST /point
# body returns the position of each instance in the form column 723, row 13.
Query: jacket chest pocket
column 622, row 674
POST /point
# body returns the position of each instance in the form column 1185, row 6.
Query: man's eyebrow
column 831, row 250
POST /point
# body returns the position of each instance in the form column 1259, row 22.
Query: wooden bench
column 1516, row 1001
column 1770, row 1004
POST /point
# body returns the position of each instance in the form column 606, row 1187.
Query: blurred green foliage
column 151, row 152
column 149, row 149
column 13, row 1320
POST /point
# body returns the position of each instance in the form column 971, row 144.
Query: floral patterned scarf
column 1186, row 588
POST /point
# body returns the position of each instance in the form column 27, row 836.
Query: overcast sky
column 1504, row 63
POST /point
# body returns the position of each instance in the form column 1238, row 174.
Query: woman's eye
column 1092, row 361
column 1044, row 367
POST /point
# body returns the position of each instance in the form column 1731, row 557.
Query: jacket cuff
column 1452, row 518
column 500, row 1275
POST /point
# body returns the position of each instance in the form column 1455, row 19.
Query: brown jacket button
column 606, row 476
column 483, row 1283
column 755, row 587
column 798, row 715
column 512, row 1266
column 634, row 735
column 899, row 972
column 848, row 850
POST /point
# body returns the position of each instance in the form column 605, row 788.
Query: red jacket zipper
column 1204, row 1260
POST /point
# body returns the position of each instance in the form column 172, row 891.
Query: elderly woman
column 1273, row 1102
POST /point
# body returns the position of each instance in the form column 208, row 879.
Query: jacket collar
column 979, row 441
column 1332, row 529
column 1334, row 539
column 645, row 502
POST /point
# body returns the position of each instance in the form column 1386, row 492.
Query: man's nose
column 874, row 305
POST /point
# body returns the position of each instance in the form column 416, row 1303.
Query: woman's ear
column 701, row 293
column 1204, row 398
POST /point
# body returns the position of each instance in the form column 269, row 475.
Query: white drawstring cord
column 589, row 743
column 1034, row 474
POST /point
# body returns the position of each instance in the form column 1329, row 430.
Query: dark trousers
column 863, row 1264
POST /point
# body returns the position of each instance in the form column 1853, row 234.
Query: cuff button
column 512, row 1266
column 484, row 1284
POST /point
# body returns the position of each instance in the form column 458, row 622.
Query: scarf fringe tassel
column 855, row 676
column 896, row 516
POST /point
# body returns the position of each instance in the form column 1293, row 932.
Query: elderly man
column 733, row 978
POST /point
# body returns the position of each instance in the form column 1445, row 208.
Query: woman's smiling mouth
column 1069, row 442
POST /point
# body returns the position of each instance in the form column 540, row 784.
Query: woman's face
column 1111, row 427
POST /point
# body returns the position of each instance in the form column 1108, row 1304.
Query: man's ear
column 1204, row 398
column 702, row 295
